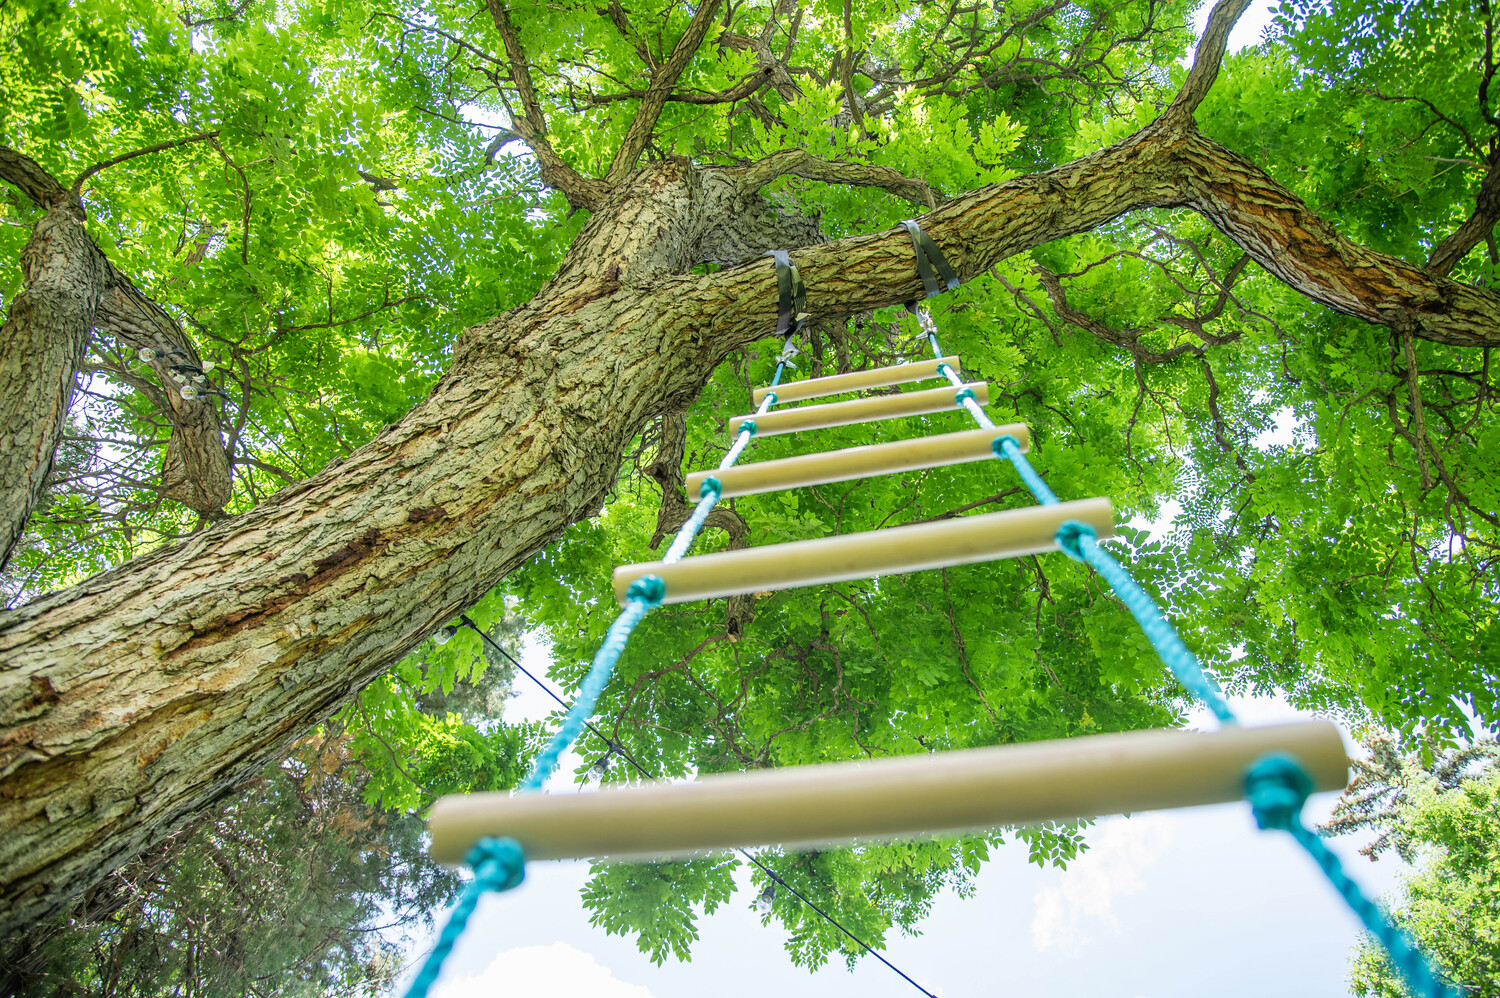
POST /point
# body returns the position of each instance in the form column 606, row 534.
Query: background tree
column 314, row 878
column 1444, row 816
column 296, row 888
column 1147, row 298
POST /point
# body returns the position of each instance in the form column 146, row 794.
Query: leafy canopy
column 349, row 194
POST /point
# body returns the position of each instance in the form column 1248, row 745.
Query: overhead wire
column 499, row 864
column 618, row 749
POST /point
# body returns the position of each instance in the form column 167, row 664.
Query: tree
column 294, row 888
column 1445, row 818
column 664, row 150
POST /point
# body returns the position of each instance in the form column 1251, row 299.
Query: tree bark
column 130, row 701
column 71, row 289
column 196, row 469
column 41, row 344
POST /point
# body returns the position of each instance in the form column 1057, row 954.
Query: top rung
column 837, row 384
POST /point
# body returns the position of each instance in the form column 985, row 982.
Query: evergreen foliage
column 295, row 888
column 1443, row 816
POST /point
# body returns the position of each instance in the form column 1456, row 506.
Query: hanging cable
column 619, row 750
column 1276, row 786
column 499, row 864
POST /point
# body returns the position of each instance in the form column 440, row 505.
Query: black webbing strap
column 793, row 295
column 929, row 257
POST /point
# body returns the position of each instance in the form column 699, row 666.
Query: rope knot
column 1070, row 535
column 710, row 484
column 748, row 426
column 1004, row 442
column 499, row 864
column 649, row 589
column 964, row 395
column 1276, row 786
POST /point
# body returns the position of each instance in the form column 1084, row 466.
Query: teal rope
column 1009, row 448
column 645, row 594
column 1275, row 785
column 1163, row 637
column 499, row 864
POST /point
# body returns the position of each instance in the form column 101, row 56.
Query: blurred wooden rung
column 837, row 384
column 818, row 417
column 837, row 803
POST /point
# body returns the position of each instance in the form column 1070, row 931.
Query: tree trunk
column 41, row 344
column 71, row 289
column 133, row 699
column 196, row 469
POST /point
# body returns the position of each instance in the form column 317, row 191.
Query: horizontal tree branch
column 1168, row 164
column 800, row 163
column 159, row 147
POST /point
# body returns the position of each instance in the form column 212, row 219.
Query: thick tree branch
column 663, row 80
column 1280, row 233
column 34, row 181
column 1166, row 165
column 800, row 163
column 1451, row 251
column 1208, row 57
column 581, row 191
column 196, row 470
column 71, row 290
column 42, row 340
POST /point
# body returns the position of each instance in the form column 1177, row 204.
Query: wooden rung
column 817, row 417
column 837, row 384
column 894, row 550
column 834, row 803
column 856, row 462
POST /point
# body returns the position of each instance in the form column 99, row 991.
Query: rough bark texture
column 196, row 469
column 41, row 344
column 71, row 289
column 130, row 701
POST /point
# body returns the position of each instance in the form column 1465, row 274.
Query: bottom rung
column 914, row 548
column 842, row 802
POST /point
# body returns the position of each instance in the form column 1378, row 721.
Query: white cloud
column 1119, row 853
column 557, row 971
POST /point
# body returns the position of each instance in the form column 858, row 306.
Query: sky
column 1159, row 906
column 1248, row 29
column 1162, row 905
